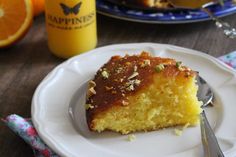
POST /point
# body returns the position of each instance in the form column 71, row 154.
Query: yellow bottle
column 71, row 26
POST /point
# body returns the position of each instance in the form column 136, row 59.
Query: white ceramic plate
column 53, row 96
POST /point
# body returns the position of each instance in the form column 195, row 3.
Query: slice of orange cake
column 142, row 93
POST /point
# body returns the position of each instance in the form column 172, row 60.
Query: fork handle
column 228, row 30
column 209, row 141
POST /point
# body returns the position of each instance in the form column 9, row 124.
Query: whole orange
column 38, row 6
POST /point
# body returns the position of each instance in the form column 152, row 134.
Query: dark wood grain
column 24, row 65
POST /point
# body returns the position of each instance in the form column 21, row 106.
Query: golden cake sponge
column 142, row 93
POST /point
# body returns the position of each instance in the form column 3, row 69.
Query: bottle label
column 70, row 17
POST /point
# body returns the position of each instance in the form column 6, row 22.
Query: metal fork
column 204, row 6
column 209, row 140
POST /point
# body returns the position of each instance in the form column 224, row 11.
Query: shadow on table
column 29, row 51
column 136, row 31
column 202, row 36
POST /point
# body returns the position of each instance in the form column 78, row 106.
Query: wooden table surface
column 24, row 65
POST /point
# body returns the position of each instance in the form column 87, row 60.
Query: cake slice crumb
column 131, row 138
column 178, row 132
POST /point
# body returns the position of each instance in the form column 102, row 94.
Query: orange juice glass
column 71, row 26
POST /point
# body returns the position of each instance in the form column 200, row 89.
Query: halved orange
column 15, row 19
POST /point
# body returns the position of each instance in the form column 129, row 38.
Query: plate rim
column 126, row 17
column 49, row 141
column 159, row 21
